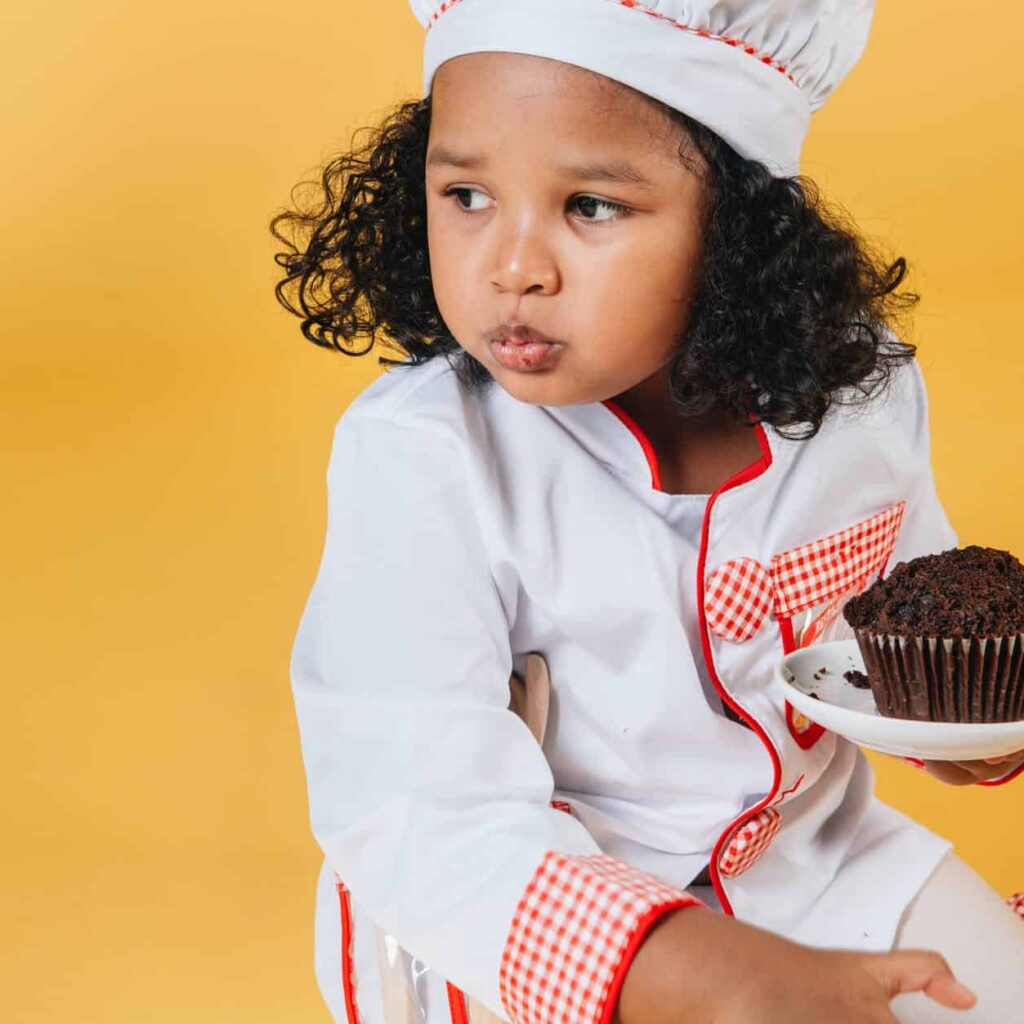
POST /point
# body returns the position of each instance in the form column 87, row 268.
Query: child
column 553, row 775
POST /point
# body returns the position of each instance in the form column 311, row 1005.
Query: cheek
column 446, row 270
column 656, row 259
column 639, row 290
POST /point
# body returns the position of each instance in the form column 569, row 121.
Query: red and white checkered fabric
column 1016, row 903
column 576, row 920
column 748, row 841
column 821, row 569
column 737, row 598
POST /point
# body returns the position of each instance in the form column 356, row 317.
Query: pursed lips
column 520, row 334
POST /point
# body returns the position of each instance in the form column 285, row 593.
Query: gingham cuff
column 573, row 936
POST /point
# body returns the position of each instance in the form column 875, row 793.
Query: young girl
column 552, row 772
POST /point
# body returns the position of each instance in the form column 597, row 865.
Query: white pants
column 961, row 916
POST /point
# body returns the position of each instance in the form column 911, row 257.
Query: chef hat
column 751, row 70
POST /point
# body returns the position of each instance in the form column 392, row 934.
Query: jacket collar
column 616, row 440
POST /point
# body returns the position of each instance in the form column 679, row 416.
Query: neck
column 696, row 454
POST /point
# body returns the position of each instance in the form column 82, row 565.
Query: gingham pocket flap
column 825, row 568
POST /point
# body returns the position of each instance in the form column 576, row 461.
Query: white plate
column 851, row 712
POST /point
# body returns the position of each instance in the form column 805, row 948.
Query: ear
column 530, row 700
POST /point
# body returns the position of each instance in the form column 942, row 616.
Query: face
column 557, row 201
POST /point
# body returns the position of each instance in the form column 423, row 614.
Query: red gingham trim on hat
column 644, row 9
column 749, row 841
column 705, row 34
column 574, row 932
column 446, row 6
column 814, row 572
column 1016, row 903
column 737, row 598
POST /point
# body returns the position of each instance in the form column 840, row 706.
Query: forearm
column 697, row 966
column 664, row 982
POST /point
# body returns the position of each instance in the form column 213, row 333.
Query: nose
column 524, row 262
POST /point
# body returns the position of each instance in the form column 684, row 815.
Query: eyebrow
column 619, row 172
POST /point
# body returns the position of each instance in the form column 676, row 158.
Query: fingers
column 947, row 990
column 962, row 773
column 950, row 773
column 922, row 970
column 982, row 771
column 1015, row 758
column 968, row 773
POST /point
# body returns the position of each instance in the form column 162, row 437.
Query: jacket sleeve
column 429, row 796
column 926, row 529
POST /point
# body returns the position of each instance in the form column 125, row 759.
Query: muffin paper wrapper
column 945, row 679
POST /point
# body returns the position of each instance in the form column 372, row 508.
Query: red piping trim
column 804, row 740
column 456, row 998
column 755, row 469
column 637, row 5
column 918, row 763
column 643, row 926
column 793, row 788
column 999, row 782
column 457, row 1005
column 705, row 34
column 788, row 639
column 347, row 982
column 637, row 432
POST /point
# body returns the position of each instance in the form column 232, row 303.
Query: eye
column 457, row 192
column 589, row 203
column 618, row 209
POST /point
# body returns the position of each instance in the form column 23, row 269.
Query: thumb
column 921, row 970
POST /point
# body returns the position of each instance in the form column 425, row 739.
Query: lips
column 521, row 335
column 519, row 347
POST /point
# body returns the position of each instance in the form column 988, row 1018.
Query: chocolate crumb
column 857, row 679
column 815, row 696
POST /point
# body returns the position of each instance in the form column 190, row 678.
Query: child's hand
column 696, row 966
column 966, row 773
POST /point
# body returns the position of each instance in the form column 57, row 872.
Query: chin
column 554, row 396
column 537, row 388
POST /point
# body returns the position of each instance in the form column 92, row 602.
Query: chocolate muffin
column 942, row 637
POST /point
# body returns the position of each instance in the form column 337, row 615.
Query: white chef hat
column 753, row 71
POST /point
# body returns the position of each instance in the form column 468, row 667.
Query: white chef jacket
column 465, row 531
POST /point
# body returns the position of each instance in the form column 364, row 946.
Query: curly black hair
column 793, row 309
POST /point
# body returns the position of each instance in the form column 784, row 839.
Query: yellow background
column 165, row 431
